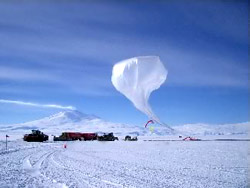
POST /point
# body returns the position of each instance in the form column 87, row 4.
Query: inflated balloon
column 136, row 78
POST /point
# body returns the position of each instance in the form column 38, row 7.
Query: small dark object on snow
column 191, row 139
column 35, row 136
column 107, row 137
column 129, row 138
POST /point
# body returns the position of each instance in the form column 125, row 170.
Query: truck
column 107, row 137
column 129, row 138
column 71, row 136
column 35, row 136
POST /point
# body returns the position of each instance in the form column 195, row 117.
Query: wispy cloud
column 37, row 105
column 44, row 47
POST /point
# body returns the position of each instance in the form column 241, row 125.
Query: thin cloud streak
column 37, row 105
column 72, row 43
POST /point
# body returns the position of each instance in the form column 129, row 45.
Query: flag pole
column 6, row 142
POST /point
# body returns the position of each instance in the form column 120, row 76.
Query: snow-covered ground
column 144, row 163
column 125, row 164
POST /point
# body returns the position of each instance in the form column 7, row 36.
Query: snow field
column 124, row 164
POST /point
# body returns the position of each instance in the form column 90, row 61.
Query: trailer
column 71, row 136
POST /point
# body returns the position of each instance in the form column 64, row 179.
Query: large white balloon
column 136, row 78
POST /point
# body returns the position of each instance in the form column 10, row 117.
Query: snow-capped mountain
column 74, row 120
column 64, row 117
column 208, row 129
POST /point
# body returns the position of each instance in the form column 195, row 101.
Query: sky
column 58, row 55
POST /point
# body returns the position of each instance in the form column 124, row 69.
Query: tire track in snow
column 64, row 167
column 82, row 176
column 100, row 169
column 34, row 170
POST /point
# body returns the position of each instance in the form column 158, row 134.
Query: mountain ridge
column 73, row 120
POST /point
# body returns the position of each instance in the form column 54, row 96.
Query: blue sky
column 62, row 52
